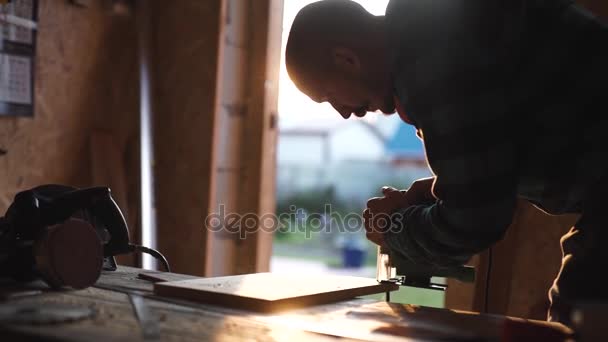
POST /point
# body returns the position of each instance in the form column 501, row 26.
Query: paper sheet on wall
column 15, row 76
column 22, row 9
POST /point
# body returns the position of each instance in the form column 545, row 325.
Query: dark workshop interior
column 149, row 151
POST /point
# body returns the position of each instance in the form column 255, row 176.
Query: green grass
column 300, row 251
column 327, row 260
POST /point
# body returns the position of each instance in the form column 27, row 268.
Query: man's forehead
column 312, row 86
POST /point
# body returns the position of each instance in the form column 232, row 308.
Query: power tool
column 394, row 269
column 64, row 235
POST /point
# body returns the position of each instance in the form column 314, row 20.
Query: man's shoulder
column 439, row 43
column 445, row 20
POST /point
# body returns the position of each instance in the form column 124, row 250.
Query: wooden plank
column 163, row 276
column 270, row 292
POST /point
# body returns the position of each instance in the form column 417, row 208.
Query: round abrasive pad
column 70, row 254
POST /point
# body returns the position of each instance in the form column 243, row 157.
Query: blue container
column 352, row 257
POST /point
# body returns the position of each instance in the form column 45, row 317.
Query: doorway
column 327, row 168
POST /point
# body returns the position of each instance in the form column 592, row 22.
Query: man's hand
column 377, row 214
column 421, row 191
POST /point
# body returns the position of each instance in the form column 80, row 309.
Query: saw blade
column 384, row 268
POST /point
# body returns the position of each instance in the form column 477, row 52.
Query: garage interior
column 173, row 105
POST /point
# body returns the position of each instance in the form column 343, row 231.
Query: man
column 507, row 97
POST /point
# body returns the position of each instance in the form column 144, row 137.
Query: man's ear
column 346, row 59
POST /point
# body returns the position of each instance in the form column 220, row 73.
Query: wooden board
column 156, row 276
column 269, row 292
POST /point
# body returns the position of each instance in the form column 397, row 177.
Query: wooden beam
column 185, row 55
column 260, row 130
column 244, row 151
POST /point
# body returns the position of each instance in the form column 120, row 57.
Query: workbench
column 356, row 319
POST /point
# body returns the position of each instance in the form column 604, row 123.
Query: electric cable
column 156, row 254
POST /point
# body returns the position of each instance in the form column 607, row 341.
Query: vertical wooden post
column 185, row 45
column 246, row 136
column 259, row 155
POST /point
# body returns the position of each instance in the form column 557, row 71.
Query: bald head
column 336, row 52
column 319, row 27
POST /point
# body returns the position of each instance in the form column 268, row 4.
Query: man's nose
column 344, row 112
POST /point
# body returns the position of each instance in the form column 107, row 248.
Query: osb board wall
column 524, row 265
column 85, row 81
column 459, row 295
column 537, row 260
column 185, row 44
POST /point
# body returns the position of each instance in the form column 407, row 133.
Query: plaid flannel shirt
column 507, row 98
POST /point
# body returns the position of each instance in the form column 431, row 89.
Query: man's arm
column 472, row 150
column 459, row 58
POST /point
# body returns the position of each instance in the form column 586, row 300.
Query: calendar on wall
column 17, row 57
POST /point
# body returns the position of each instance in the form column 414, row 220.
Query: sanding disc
column 42, row 314
column 70, row 254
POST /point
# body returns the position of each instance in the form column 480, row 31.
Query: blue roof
column 405, row 142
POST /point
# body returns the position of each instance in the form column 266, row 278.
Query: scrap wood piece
column 155, row 276
column 270, row 292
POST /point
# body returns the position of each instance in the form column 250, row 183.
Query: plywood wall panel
column 536, row 262
column 524, row 265
column 86, row 79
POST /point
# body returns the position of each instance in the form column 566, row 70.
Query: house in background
column 405, row 148
column 353, row 157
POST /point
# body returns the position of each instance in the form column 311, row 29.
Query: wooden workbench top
column 361, row 319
